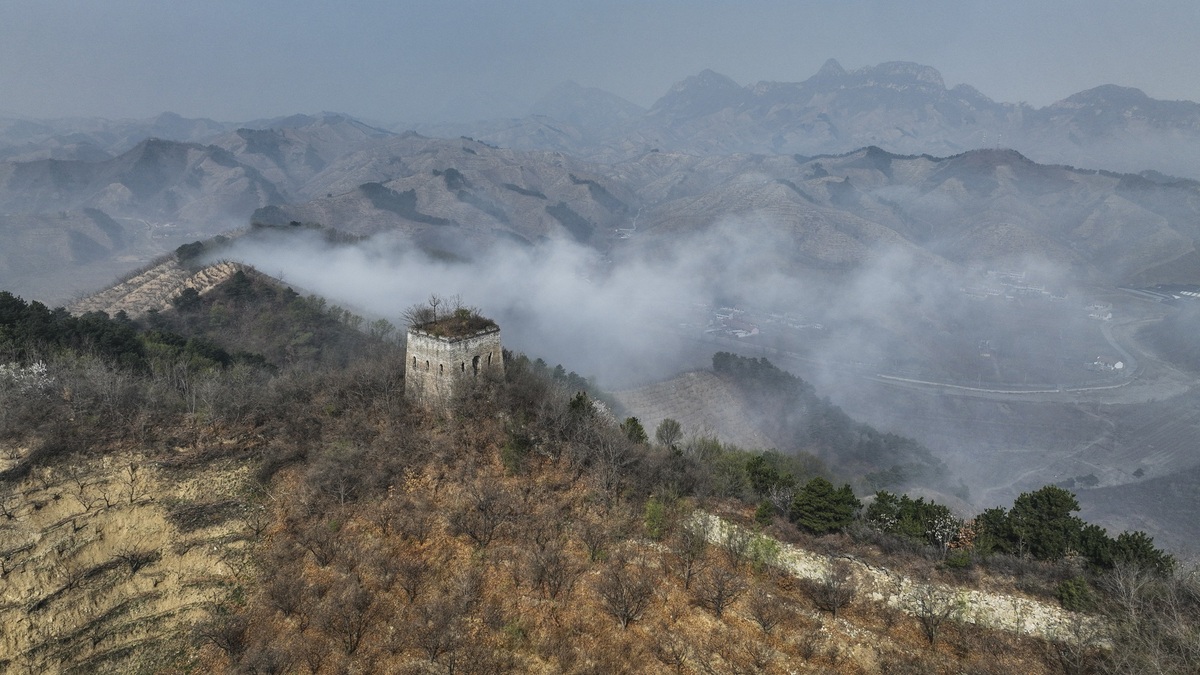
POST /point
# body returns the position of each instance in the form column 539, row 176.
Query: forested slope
column 238, row 485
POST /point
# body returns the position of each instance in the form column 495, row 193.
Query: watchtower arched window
column 475, row 365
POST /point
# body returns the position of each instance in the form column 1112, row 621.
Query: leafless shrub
column 314, row 652
column 625, row 588
column 415, row 518
column 670, row 647
column 725, row 654
column 83, row 481
column 285, row 591
column 735, row 541
column 8, row 506
column 596, row 536
column 266, row 660
column 132, row 481
column 134, row 557
column 767, row 611
column 758, row 655
column 933, row 605
column 439, row 625
column 834, row 654
column 689, row 543
column 348, row 613
column 836, row 589
column 320, row 539
column 225, row 631
column 413, row 571
column 483, row 509
column 1079, row 653
column 258, row 519
column 809, row 643
column 781, row 497
column 551, row 569
column 718, row 588
column 1155, row 622
column 337, row 473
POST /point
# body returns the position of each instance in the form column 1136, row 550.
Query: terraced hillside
column 701, row 402
column 154, row 288
column 106, row 563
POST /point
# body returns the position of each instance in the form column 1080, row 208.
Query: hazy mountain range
column 900, row 107
column 84, row 200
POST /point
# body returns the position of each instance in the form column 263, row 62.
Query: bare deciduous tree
column 482, row 511
column 670, row 647
column 625, row 588
column 1154, row 621
column 132, row 480
column 933, row 605
column 413, row 571
column 83, row 479
column 767, row 610
column 8, row 506
column 348, row 613
column 225, row 631
column 134, row 556
column 285, row 591
column 718, row 588
column 735, row 541
column 781, row 497
column 595, row 535
column 690, row 545
column 551, row 569
column 836, row 589
column 438, row 627
column 320, row 539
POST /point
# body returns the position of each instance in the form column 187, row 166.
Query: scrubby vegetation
column 446, row 317
column 531, row 529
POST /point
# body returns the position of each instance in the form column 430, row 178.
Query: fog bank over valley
column 1011, row 376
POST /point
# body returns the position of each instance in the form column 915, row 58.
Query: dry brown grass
column 95, row 576
column 481, row 603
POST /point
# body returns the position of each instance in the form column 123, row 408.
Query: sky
column 457, row 60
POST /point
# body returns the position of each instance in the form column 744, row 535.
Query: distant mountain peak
column 1107, row 94
column 587, row 107
column 831, row 69
column 699, row 95
column 705, row 79
column 905, row 70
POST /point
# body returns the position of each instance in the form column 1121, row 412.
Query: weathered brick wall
column 436, row 365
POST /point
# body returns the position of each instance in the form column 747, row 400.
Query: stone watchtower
column 445, row 353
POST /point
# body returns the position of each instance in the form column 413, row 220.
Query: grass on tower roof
column 461, row 323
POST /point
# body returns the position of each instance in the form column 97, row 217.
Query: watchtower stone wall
column 436, row 365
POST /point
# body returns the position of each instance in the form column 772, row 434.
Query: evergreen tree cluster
column 916, row 519
column 30, row 329
column 1041, row 524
